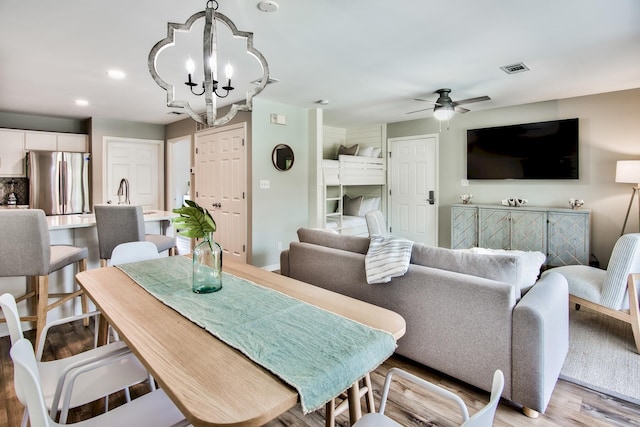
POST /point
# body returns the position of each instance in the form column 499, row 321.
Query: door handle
column 217, row 205
column 431, row 198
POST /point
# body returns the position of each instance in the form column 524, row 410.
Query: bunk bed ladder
column 331, row 198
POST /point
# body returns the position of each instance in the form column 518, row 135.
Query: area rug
column 602, row 355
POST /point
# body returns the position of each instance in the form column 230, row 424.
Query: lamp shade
column 628, row 171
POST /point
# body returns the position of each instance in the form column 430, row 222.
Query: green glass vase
column 207, row 266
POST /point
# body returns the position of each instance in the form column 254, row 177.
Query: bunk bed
column 342, row 213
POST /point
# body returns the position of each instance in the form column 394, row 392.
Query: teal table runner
column 319, row 353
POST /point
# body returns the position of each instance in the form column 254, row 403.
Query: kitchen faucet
column 123, row 190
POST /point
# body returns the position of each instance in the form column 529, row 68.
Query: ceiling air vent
column 515, row 68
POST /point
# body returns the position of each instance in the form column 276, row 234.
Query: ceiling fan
column 444, row 107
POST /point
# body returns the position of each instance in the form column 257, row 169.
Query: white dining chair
column 153, row 409
column 482, row 418
column 133, row 252
column 82, row 378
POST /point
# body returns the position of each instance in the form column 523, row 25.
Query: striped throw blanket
column 387, row 257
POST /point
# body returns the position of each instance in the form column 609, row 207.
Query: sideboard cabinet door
column 529, row 231
column 568, row 238
column 464, row 227
column 494, row 228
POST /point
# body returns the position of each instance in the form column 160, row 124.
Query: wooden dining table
column 212, row 383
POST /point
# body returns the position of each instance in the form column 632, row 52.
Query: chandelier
column 211, row 89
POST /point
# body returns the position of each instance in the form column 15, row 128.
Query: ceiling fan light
column 443, row 112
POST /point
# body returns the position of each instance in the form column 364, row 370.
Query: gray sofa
column 465, row 313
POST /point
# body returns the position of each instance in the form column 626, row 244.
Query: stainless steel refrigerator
column 59, row 182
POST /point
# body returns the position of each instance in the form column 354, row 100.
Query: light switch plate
column 265, row 184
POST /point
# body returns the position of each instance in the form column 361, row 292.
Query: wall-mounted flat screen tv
column 544, row 150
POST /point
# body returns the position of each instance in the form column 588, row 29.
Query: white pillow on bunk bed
column 365, row 152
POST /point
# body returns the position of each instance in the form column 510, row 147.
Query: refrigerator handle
column 62, row 170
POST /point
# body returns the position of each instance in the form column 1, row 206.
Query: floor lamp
column 628, row 171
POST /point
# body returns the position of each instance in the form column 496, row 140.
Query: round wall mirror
column 282, row 157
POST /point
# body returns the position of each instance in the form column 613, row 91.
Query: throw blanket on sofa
column 387, row 257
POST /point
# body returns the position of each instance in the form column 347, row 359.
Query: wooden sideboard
column 561, row 234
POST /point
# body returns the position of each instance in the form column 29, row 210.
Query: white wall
column 609, row 131
column 283, row 208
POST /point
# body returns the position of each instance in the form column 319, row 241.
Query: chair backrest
column 29, row 252
column 625, row 259
column 133, row 252
column 376, row 223
column 484, row 417
column 27, row 383
column 118, row 224
column 11, row 316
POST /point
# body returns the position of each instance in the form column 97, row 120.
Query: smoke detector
column 268, row 6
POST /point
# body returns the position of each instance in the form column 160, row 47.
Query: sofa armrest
column 540, row 341
column 284, row 263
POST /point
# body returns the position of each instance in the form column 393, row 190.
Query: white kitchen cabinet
column 50, row 141
column 40, row 141
column 561, row 234
column 12, row 153
column 72, row 142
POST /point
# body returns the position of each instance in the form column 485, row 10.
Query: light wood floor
column 571, row 405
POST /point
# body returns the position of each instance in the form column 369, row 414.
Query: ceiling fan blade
column 461, row 110
column 417, row 111
column 425, row 100
column 471, row 100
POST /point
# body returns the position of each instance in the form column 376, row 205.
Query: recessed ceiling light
column 82, row 102
column 116, row 74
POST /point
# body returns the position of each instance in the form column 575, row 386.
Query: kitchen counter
column 57, row 222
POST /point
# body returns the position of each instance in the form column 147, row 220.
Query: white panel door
column 413, row 183
column 139, row 162
column 220, row 185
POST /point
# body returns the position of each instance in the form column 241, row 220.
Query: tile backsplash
column 21, row 188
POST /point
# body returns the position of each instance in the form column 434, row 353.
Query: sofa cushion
column 346, row 243
column 502, row 268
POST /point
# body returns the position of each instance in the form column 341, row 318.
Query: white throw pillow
column 365, row 152
column 530, row 262
column 369, row 204
column 376, row 152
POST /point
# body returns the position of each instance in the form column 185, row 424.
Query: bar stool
column 118, row 224
column 335, row 406
column 27, row 251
